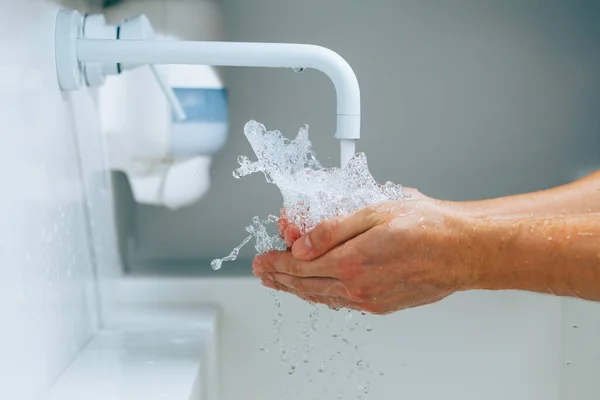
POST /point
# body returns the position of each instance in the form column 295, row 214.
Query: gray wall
column 461, row 99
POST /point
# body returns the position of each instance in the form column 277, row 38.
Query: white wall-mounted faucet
column 76, row 52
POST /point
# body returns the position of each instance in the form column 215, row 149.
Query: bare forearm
column 580, row 197
column 555, row 255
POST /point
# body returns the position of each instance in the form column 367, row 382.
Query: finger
column 291, row 234
column 332, row 302
column 334, row 232
column 315, row 286
column 283, row 221
column 288, row 231
column 268, row 281
column 284, row 262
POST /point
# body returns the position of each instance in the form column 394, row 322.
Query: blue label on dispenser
column 203, row 105
column 204, row 131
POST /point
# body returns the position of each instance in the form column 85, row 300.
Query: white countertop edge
column 146, row 353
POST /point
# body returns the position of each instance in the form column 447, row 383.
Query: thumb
column 334, row 232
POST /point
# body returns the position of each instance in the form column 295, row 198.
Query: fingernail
column 302, row 247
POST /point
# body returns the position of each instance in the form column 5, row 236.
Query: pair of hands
column 383, row 258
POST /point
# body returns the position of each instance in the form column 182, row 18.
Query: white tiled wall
column 55, row 209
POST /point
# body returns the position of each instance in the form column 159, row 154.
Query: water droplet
column 216, row 264
column 363, row 389
column 298, row 69
column 262, row 348
column 276, row 301
column 568, row 362
column 382, row 373
column 369, row 328
column 322, row 368
column 243, row 160
column 575, row 326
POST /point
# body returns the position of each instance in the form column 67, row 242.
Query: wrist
column 468, row 209
column 464, row 243
column 506, row 253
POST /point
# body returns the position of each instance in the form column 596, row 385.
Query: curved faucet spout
column 101, row 49
column 274, row 55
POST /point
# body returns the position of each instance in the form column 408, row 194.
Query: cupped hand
column 290, row 232
column 384, row 258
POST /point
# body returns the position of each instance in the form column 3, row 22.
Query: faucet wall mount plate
column 69, row 28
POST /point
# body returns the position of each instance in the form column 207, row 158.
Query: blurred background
column 461, row 99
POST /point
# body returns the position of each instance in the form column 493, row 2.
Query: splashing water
column 311, row 193
column 216, row 264
column 264, row 242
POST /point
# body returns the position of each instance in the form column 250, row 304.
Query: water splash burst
column 311, row 193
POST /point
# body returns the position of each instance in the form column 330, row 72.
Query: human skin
column 396, row 255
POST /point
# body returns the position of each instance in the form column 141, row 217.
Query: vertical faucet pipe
column 275, row 55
